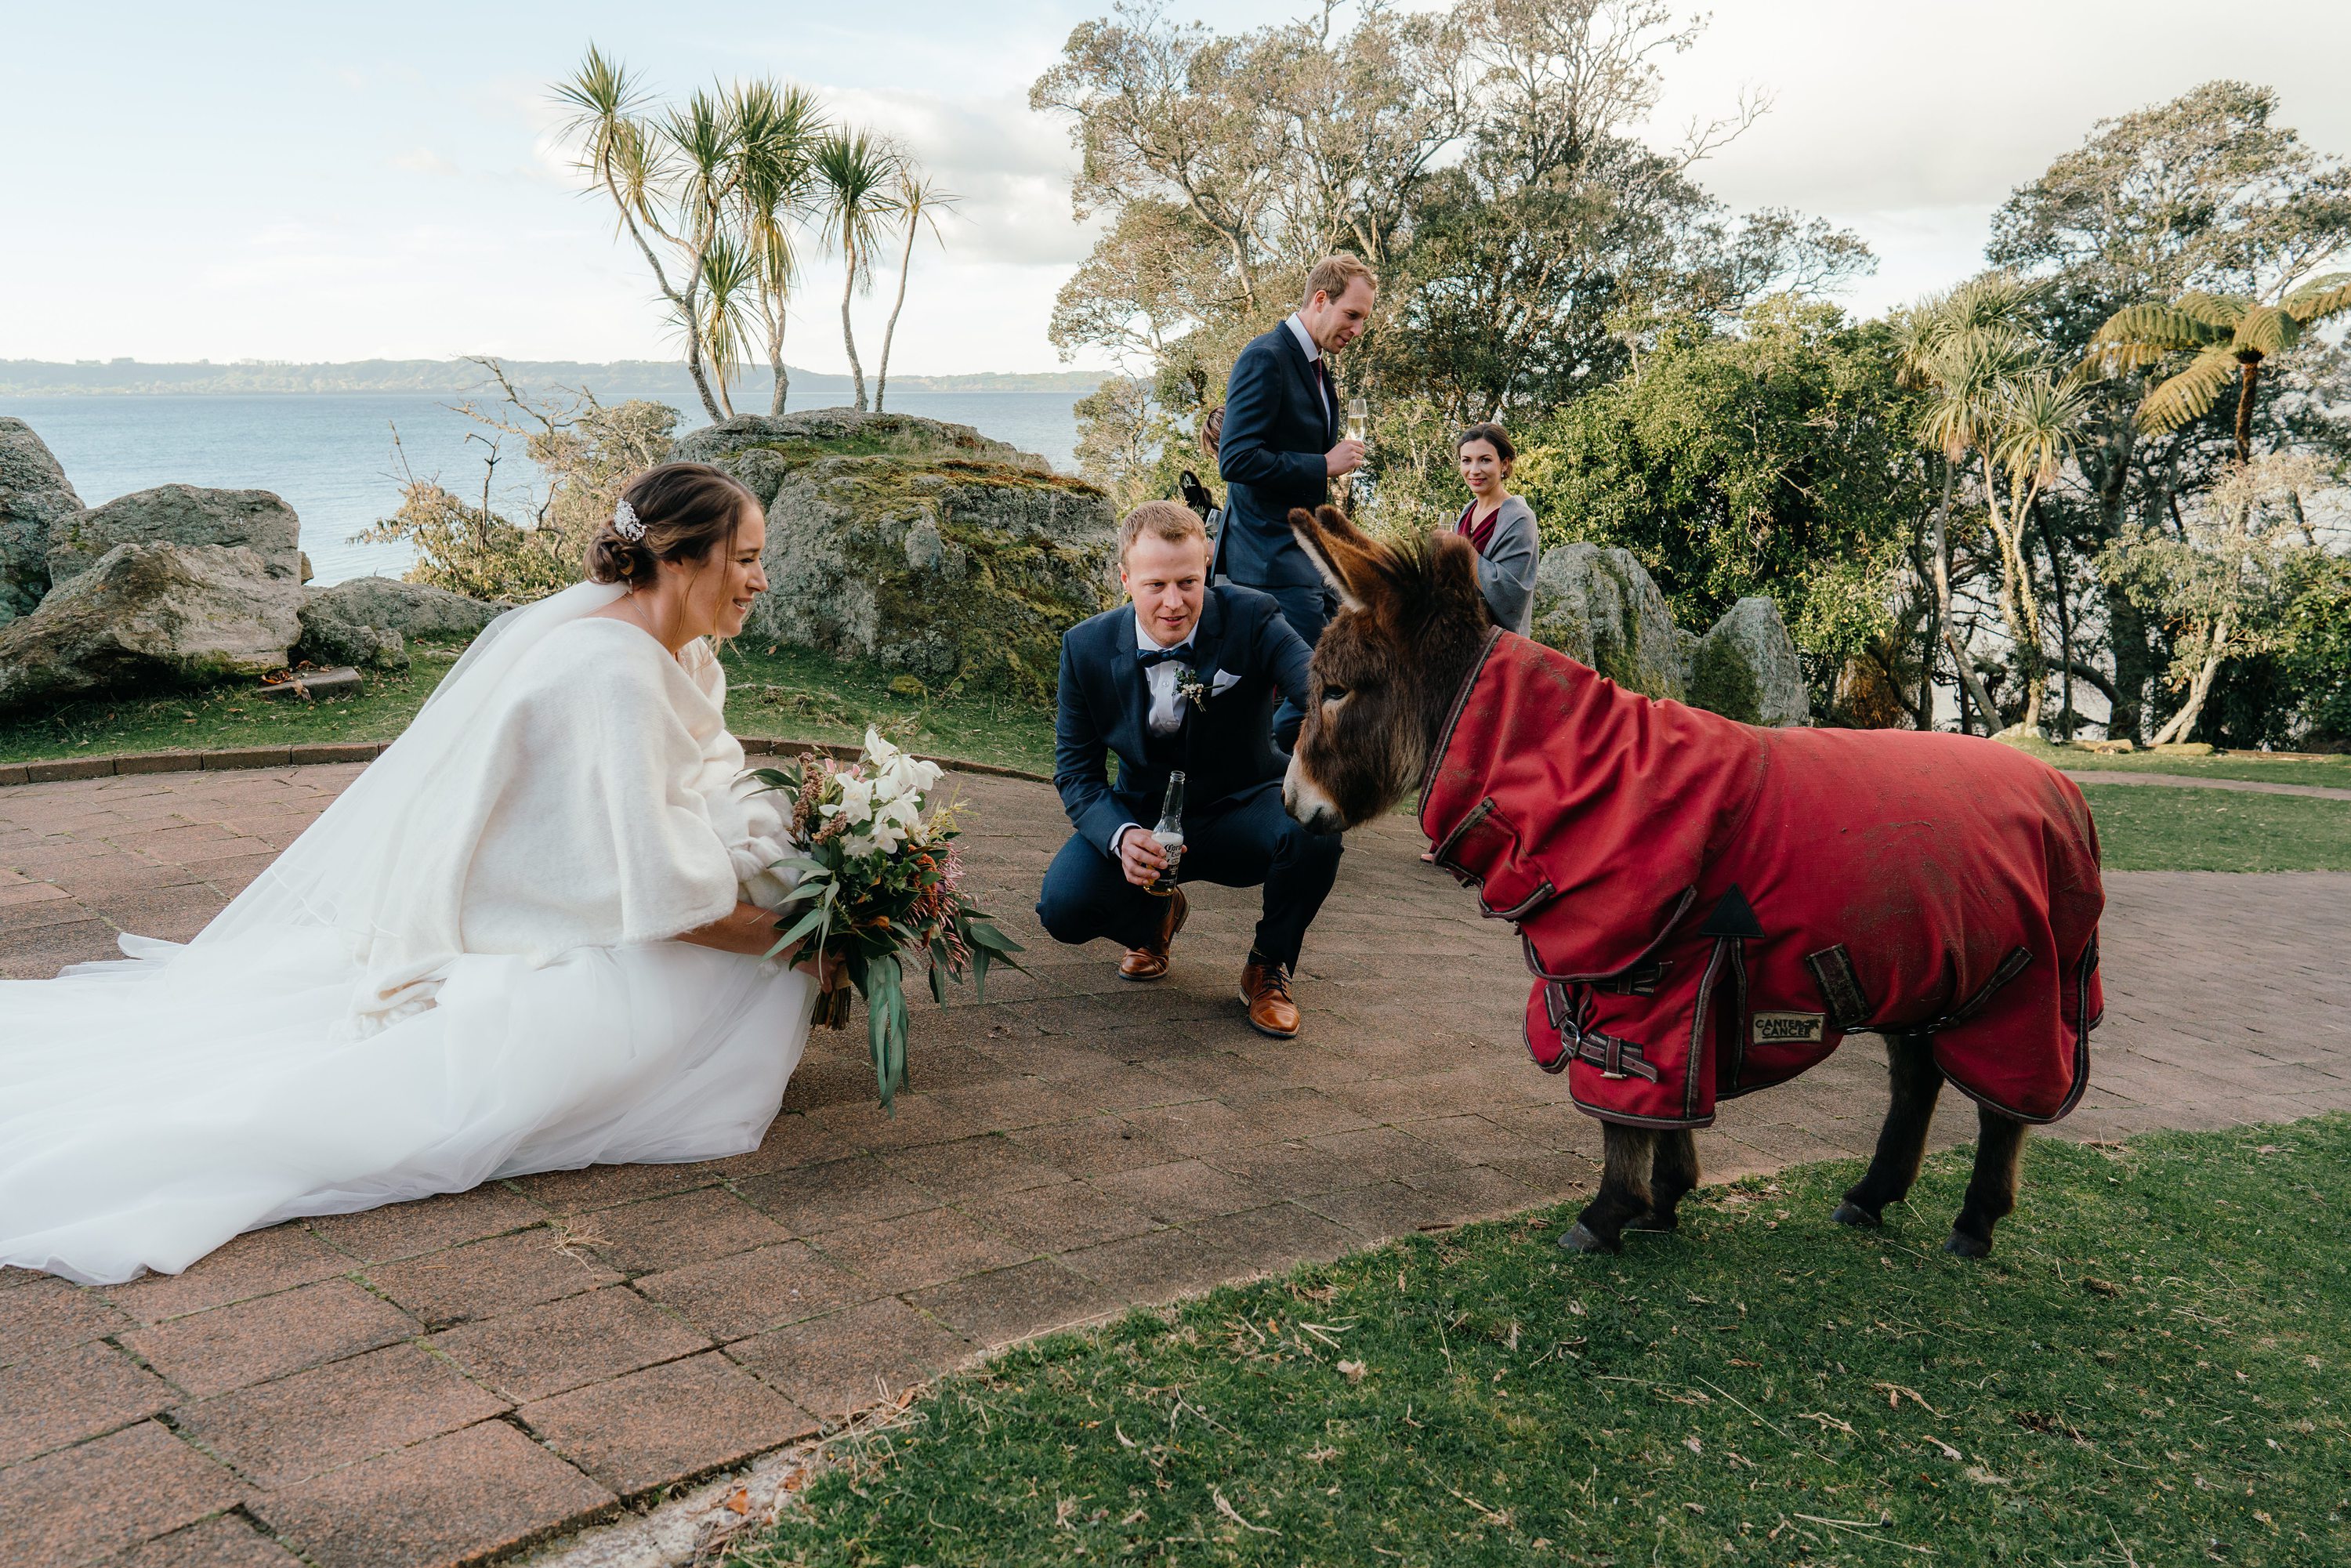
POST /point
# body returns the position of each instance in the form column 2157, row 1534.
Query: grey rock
column 151, row 614
column 759, row 449
column 367, row 620
column 1746, row 668
column 33, row 495
column 254, row 521
column 922, row 546
column 1599, row 606
column 411, row 608
column 946, row 568
column 328, row 640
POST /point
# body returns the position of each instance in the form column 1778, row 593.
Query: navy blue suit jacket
column 1278, row 428
column 1225, row 747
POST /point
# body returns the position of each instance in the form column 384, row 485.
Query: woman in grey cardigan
column 1498, row 525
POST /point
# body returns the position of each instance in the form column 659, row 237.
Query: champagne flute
column 1359, row 419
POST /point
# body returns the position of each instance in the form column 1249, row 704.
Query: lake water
column 332, row 455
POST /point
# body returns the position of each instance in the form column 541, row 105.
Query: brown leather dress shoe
column 1150, row 962
column 1265, row 989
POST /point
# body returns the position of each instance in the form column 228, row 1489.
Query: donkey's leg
column 1991, row 1190
column 1623, row 1191
column 1673, row 1171
column 1902, row 1142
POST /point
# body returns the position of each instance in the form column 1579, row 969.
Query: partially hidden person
column 1499, row 526
column 1185, row 675
column 1281, row 446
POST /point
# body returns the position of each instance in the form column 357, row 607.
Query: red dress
column 1709, row 908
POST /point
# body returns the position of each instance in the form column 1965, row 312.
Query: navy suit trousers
column 1242, row 840
column 1308, row 611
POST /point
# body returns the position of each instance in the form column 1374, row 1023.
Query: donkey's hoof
column 1851, row 1213
column 1653, row 1221
column 1584, row 1239
column 1963, row 1245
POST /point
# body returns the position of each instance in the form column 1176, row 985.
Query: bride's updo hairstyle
column 681, row 512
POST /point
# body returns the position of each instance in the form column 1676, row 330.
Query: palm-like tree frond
column 2153, row 331
column 2213, row 309
column 2320, row 298
column 2033, row 424
column 2190, row 395
column 856, row 169
column 2266, row 329
column 730, row 272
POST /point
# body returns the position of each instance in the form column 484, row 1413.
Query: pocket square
column 1223, row 682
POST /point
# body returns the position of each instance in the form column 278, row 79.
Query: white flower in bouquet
column 877, row 886
column 895, row 772
column 856, row 803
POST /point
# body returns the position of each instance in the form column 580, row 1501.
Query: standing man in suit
column 1281, row 447
column 1184, row 677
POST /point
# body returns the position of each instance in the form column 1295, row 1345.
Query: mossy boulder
column 147, row 615
column 33, row 495
column 922, row 546
column 1599, row 606
column 252, row 520
column 367, row 622
column 840, row 433
column 1746, row 668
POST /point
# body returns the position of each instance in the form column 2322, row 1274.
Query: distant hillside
column 621, row 377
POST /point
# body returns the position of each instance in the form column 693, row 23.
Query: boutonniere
column 1194, row 689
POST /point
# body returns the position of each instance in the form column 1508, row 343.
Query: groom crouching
column 1185, row 677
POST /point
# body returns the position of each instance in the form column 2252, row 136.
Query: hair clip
column 625, row 521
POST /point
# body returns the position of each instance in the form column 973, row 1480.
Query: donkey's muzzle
column 1309, row 806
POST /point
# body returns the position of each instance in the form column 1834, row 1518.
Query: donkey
column 1709, row 908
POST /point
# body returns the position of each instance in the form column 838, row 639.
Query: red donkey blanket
column 1709, row 908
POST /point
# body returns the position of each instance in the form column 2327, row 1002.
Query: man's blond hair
column 1332, row 274
column 1169, row 521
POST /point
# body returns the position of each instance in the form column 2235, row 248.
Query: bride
column 528, row 938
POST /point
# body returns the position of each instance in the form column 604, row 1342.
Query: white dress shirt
column 1167, row 714
column 1297, row 324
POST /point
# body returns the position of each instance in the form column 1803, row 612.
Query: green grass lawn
column 2254, row 765
column 220, row 717
column 2144, row 827
column 2150, row 1369
column 788, row 693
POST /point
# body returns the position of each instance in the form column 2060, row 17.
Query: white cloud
column 422, row 160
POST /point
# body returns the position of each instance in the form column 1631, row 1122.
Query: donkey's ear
column 1337, row 552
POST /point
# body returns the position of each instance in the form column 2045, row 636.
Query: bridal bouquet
column 880, row 882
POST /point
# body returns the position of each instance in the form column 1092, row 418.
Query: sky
column 316, row 182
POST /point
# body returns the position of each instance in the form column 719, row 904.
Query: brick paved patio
column 434, row 1381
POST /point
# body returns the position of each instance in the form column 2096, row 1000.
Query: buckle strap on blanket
column 2009, row 967
column 1840, row 988
column 1568, row 1007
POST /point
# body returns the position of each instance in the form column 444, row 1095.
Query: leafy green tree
column 920, row 201
column 857, row 172
column 1480, row 158
column 782, row 127
column 2226, row 576
column 707, row 190
column 1776, row 460
column 2233, row 338
column 2207, row 191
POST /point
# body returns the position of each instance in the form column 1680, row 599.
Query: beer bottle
column 1169, row 833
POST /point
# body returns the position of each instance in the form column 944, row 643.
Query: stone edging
column 2198, row 781
column 61, row 769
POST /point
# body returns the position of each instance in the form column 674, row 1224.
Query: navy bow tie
column 1146, row 657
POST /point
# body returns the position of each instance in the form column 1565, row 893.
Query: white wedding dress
column 460, row 971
